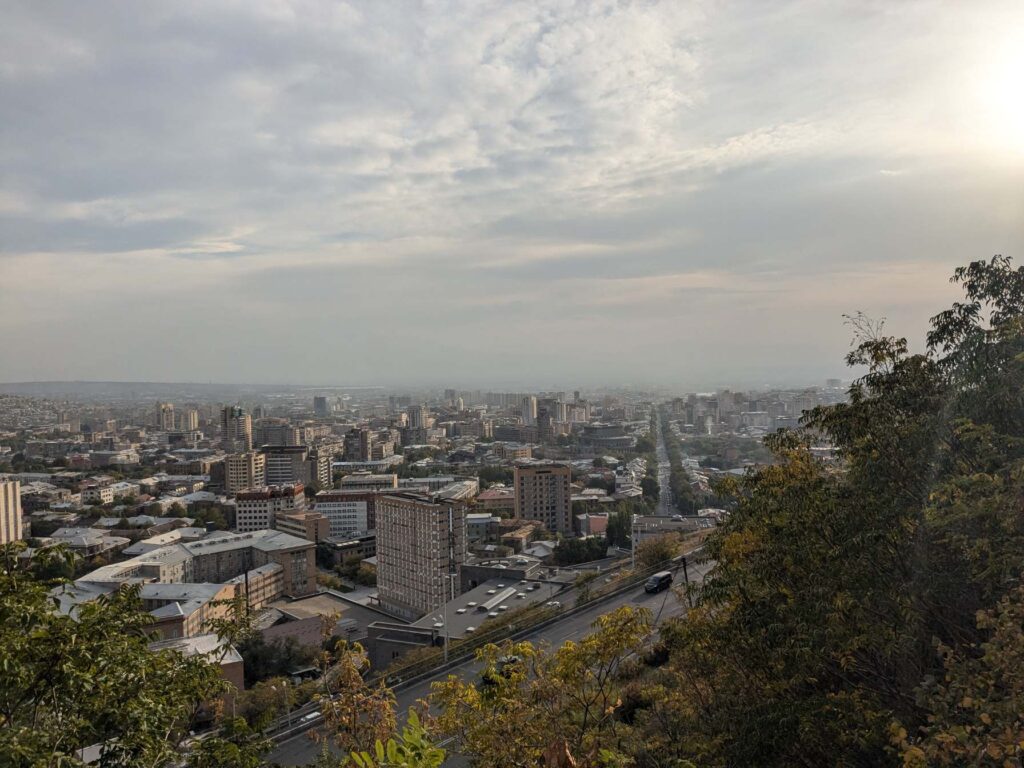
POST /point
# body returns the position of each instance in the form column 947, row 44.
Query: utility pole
column 686, row 578
column 632, row 542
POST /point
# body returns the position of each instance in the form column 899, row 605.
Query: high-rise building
column 358, row 445
column 288, row 464
column 276, row 432
column 245, row 470
column 235, row 429
column 528, row 406
column 165, row 416
column 421, row 544
column 320, row 407
column 188, row 420
column 418, row 416
column 543, row 493
column 10, row 511
column 257, row 509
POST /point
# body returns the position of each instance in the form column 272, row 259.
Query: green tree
column 264, row 659
column 620, row 527
column 811, row 641
column 656, row 550
column 73, row 682
column 649, row 485
column 412, row 748
column 548, row 703
column 236, row 745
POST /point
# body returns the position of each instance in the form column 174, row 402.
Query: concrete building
column 185, row 585
column 308, row 525
column 164, row 417
column 348, row 511
column 528, row 407
column 421, row 545
column 100, row 494
column 320, row 407
column 235, row 429
column 498, row 500
column 368, row 481
column 297, row 464
column 188, row 420
column 358, row 445
column 418, row 417
column 542, row 492
column 245, row 470
column 257, row 508
column 88, row 542
column 276, row 432
column 10, row 511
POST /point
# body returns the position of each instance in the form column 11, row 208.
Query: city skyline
column 595, row 192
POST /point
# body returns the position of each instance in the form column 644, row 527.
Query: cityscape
column 405, row 523
column 512, row 384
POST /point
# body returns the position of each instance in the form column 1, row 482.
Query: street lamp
column 284, row 700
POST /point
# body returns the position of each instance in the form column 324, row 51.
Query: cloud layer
column 524, row 193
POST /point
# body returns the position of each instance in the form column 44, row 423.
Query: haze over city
column 571, row 193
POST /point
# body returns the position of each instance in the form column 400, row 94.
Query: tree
column 645, row 444
column 411, row 749
column 266, row 700
column 70, row 683
column 572, row 551
column 264, row 659
column 620, row 527
column 976, row 709
column 548, row 703
column 235, row 746
column 649, row 485
column 811, row 640
column 357, row 714
column 657, row 550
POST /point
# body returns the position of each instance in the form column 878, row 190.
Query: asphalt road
column 302, row 750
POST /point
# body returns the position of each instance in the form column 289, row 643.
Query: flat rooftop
column 494, row 593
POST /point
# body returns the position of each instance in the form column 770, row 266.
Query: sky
column 494, row 192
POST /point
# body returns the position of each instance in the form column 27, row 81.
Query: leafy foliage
column 70, row 683
column 572, row 551
column 812, row 639
column 411, row 749
column 548, row 702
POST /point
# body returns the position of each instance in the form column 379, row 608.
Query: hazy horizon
column 475, row 193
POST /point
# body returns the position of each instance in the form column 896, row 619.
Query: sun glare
column 1001, row 96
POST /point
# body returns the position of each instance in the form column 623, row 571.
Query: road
column 302, row 750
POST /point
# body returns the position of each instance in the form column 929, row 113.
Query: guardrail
column 284, row 728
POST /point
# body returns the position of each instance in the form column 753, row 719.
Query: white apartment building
column 347, row 512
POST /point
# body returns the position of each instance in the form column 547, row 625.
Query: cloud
column 483, row 173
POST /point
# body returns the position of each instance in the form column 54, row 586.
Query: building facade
column 421, row 544
column 10, row 511
column 257, row 509
column 308, row 525
column 235, row 429
column 348, row 511
column 542, row 492
column 245, row 470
